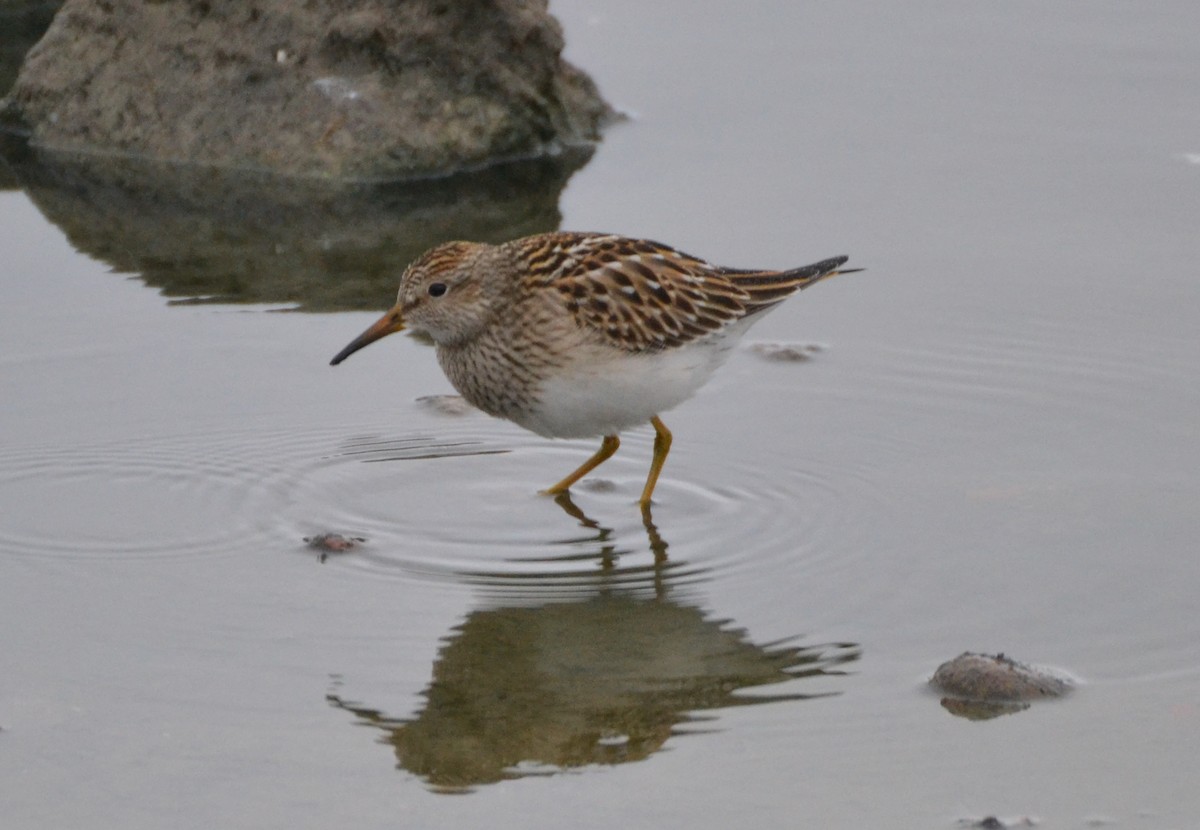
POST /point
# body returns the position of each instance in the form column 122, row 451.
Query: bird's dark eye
column 437, row 289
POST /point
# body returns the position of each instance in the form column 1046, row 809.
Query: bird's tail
column 769, row 287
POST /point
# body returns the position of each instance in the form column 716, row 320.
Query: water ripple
column 1042, row 363
column 456, row 503
column 432, row 516
column 175, row 496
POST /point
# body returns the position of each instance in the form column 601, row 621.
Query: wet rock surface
column 368, row 90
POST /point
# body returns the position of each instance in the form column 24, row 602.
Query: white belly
column 604, row 393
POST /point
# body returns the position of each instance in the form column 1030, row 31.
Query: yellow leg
column 662, row 446
column 607, row 447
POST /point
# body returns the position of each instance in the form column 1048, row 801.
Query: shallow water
column 995, row 449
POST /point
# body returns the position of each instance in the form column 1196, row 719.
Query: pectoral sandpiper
column 576, row 335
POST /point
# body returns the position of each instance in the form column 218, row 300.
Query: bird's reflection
column 534, row 688
column 658, row 546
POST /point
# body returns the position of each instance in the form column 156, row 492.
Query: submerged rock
column 367, row 90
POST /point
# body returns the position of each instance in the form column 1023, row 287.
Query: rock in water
column 379, row 90
column 984, row 686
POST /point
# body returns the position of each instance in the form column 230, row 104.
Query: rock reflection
column 208, row 236
column 608, row 678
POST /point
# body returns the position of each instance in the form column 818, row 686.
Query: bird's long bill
column 387, row 324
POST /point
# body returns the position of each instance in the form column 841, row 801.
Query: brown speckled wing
column 644, row 296
column 638, row 295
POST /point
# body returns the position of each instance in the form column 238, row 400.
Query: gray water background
column 995, row 448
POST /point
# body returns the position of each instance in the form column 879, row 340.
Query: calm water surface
column 995, row 448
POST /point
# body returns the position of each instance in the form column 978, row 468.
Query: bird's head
column 444, row 294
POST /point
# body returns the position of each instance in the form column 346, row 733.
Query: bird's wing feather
column 638, row 295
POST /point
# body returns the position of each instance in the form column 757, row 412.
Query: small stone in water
column 786, row 352
column 995, row 823
column 996, row 679
column 446, row 404
column 333, row 542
